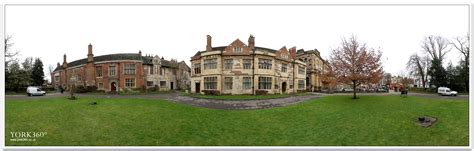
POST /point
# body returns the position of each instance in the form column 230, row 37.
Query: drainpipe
column 253, row 72
column 294, row 62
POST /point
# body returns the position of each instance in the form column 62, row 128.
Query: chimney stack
column 293, row 52
column 209, row 45
column 251, row 41
column 90, row 56
column 140, row 52
column 64, row 61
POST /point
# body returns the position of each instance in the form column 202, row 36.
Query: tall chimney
column 90, row 56
column 293, row 52
column 64, row 61
column 209, row 45
column 140, row 52
column 251, row 41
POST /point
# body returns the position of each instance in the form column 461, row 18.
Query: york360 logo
column 26, row 136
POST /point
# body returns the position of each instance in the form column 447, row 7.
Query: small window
column 162, row 83
column 151, row 69
column 210, row 63
column 129, row 82
column 301, row 70
column 197, row 68
column 228, row 83
column 112, row 70
column 149, row 83
column 247, row 82
column 210, row 83
column 264, row 63
column 237, row 50
column 247, row 63
column 284, row 67
column 300, row 84
column 264, row 82
column 100, row 85
column 129, row 69
column 98, row 71
column 228, row 63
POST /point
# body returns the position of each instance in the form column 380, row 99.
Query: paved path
column 242, row 105
column 208, row 103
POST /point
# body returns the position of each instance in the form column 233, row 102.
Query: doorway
column 171, row 85
column 283, row 87
column 113, row 87
column 198, row 87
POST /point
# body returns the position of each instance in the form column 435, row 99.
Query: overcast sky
column 179, row 32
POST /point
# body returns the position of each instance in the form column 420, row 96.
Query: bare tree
column 418, row 66
column 462, row 45
column 9, row 53
column 436, row 47
column 354, row 63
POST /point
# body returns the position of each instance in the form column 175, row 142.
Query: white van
column 32, row 91
column 446, row 91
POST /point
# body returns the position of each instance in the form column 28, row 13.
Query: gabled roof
column 111, row 57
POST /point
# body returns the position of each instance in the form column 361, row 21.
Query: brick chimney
column 209, row 45
column 58, row 65
column 64, row 61
column 140, row 52
column 251, row 41
column 293, row 52
column 90, row 56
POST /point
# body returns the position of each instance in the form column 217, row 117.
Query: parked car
column 446, row 91
column 32, row 91
column 382, row 90
column 349, row 90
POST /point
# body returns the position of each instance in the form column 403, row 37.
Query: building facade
column 315, row 68
column 119, row 72
column 240, row 68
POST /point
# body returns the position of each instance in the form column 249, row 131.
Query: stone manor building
column 124, row 71
column 240, row 68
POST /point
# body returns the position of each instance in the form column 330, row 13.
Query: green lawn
column 238, row 97
column 327, row 121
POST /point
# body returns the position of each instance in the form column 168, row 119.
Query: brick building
column 125, row 71
column 240, row 68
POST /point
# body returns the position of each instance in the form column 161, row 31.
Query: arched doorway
column 113, row 87
column 283, row 87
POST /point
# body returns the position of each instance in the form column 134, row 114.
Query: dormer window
column 237, row 50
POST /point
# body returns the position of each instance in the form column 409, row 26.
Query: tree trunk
column 423, row 82
column 354, row 90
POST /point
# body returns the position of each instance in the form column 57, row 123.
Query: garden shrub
column 261, row 92
column 211, row 92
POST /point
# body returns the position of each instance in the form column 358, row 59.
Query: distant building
column 125, row 71
column 315, row 68
column 240, row 68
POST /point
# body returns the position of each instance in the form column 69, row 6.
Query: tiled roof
column 266, row 49
column 110, row 57
column 166, row 63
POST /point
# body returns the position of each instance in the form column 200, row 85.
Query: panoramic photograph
column 237, row 75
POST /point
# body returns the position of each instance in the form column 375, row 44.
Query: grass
column 238, row 97
column 327, row 121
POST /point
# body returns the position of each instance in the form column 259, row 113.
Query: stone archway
column 113, row 87
column 283, row 87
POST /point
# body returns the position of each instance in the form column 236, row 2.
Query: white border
column 231, row 2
